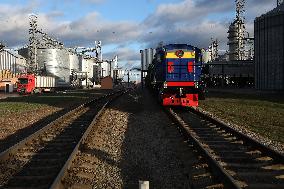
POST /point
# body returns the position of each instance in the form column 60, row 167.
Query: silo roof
column 278, row 10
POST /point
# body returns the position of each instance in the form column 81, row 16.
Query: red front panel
column 180, row 84
column 170, row 67
column 190, row 67
column 172, row 100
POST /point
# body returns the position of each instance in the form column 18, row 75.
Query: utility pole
column 128, row 78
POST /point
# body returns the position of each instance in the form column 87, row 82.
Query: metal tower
column 237, row 33
column 2, row 46
column 240, row 9
column 32, row 63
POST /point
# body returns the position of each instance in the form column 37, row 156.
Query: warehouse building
column 13, row 62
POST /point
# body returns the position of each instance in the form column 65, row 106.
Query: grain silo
column 269, row 50
column 56, row 63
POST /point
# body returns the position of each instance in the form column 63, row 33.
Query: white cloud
column 188, row 21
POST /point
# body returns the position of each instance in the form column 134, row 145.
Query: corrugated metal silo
column 12, row 61
column 149, row 55
column 56, row 63
column 269, row 50
column 143, row 61
column 87, row 65
column 105, row 69
column 74, row 62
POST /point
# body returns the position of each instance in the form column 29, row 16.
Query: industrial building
column 230, row 74
column 239, row 41
column 269, row 50
column 11, row 65
column 70, row 67
column 11, row 61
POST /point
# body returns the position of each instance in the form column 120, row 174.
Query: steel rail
column 12, row 151
column 57, row 184
column 234, row 158
column 218, row 171
column 264, row 149
column 7, row 153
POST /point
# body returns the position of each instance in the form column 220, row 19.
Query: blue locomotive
column 175, row 74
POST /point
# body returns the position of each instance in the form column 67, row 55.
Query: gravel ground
column 133, row 140
column 10, row 124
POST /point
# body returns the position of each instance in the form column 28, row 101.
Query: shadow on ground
column 66, row 101
column 59, row 99
column 151, row 145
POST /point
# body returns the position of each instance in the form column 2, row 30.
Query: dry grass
column 263, row 114
column 17, row 113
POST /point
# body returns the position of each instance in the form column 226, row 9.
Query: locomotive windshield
column 23, row 81
column 176, row 46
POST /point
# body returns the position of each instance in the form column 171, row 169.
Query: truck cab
column 26, row 84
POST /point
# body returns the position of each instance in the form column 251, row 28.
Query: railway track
column 26, row 131
column 36, row 161
column 234, row 159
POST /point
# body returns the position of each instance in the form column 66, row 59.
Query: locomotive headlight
column 165, row 85
column 179, row 53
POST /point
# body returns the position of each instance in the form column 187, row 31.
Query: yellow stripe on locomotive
column 186, row 54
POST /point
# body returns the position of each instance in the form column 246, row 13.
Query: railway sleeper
column 248, row 165
column 35, row 171
column 220, row 147
column 237, row 159
column 260, row 176
column 29, row 181
column 57, row 149
column 237, row 153
column 42, row 162
column 264, row 186
column 202, row 180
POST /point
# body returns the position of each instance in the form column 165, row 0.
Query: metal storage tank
column 149, row 57
column 105, row 69
column 74, row 62
column 269, row 50
column 143, row 60
column 56, row 63
column 87, row 65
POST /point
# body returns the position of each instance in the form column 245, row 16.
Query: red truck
column 30, row 83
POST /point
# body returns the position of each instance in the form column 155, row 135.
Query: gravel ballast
column 133, row 140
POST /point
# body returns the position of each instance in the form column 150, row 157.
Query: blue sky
column 125, row 26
